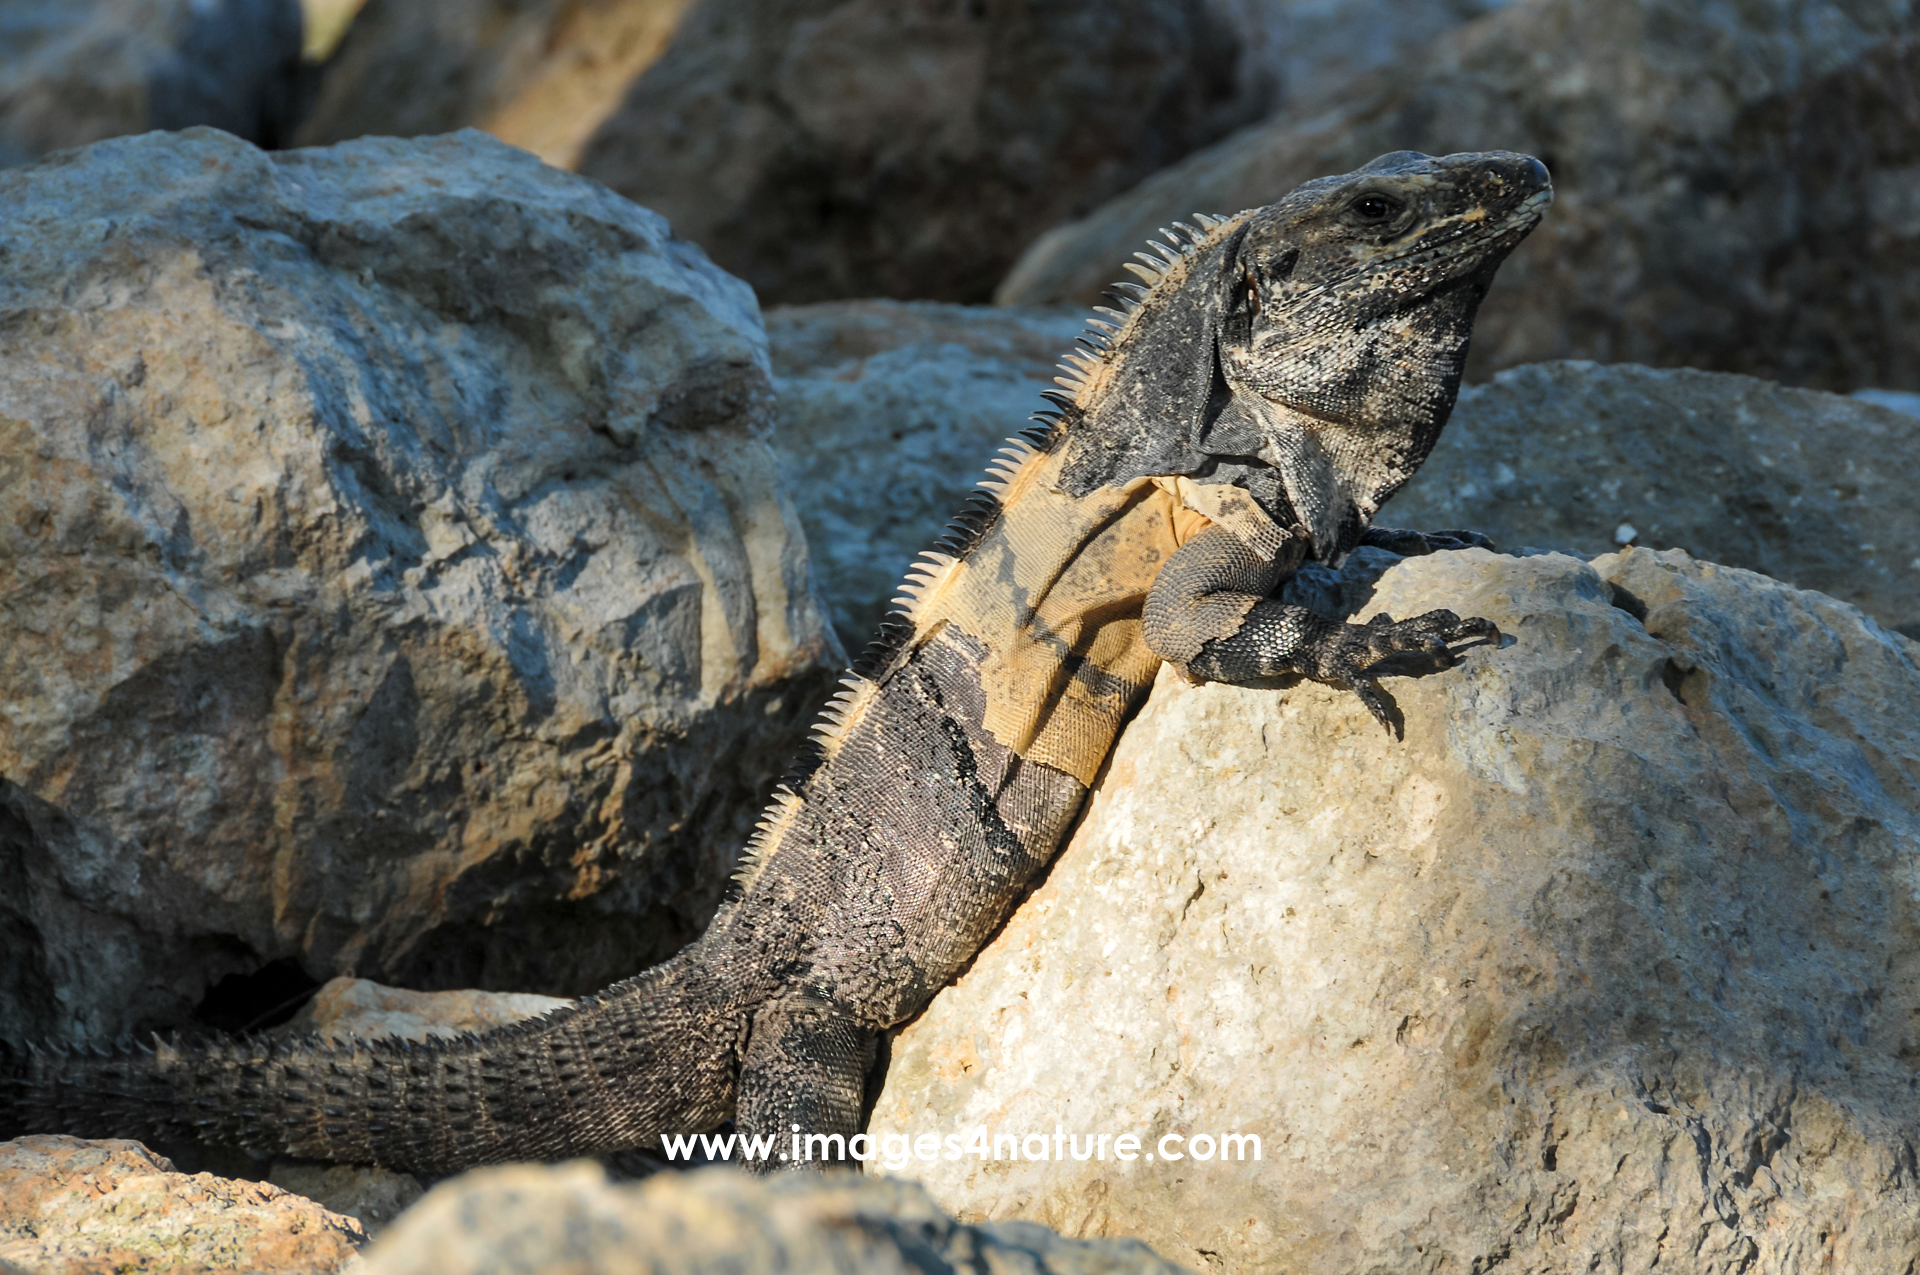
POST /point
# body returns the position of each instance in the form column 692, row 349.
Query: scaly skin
column 1280, row 375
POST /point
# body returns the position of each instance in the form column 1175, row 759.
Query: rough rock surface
column 1613, row 964
column 889, row 412
column 540, row 74
column 1812, row 488
column 393, row 572
column 77, row 71
column 1738, row 184
column 372, row 1196
column 113, row 1208
column 910, row 148
column 522, row 1220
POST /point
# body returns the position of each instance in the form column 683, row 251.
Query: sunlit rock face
column 1611, row 965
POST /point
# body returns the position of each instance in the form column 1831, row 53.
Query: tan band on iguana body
column 1054, row 591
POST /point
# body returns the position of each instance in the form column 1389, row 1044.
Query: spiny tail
column 644, row 1058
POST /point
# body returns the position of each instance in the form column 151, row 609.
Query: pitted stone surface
column 394, row 571
column 114, row 1208
column 1613, row 964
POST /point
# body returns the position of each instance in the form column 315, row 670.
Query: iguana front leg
column 1209, row 612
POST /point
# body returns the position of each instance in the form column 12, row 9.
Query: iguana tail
column 645, row 1057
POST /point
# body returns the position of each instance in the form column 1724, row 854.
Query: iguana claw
column 1357, row 649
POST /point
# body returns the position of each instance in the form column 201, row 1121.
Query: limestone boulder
column 111, row 1207
column 889, row 413
column 1738, row 185
column 1613, row 964
column 526, row 1219
column 911, row 148
column 539, row 74
column 1808, row 487
column 78, row 71
column 394, row 576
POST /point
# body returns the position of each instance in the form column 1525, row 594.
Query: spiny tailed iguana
column 1275, row 377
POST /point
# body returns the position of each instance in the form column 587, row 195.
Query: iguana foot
column 1277, row 638
column 1413, row 544
column 1349, row 655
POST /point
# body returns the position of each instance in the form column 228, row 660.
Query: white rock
column 348, row 1007
column 1612, row 965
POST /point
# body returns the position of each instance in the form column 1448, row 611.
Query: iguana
column 1247, row 407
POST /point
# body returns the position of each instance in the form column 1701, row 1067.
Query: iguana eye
column 1373, row 209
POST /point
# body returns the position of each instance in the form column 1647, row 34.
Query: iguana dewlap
column 1277, row 376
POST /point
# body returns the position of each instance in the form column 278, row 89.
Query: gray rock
column 393, row 575
column 538, row 74
column 1312, row 49
column 78, row 71
column 526, row 1219
column 1611, row 965
column 889, row 412
column 1739, row 184
column 1812, row 488
column 910, row 148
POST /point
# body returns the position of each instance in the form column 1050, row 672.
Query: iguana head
column 1308, row 351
